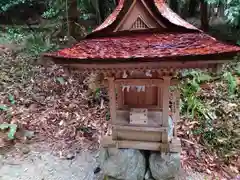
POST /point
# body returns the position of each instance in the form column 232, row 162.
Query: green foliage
column 97, row 93
column 39, row 43
column 11, row 99
column 89, row 9
column 12, row 129
column 5, row 5
column 217, row 121
column 14, row 35
column 3, row 107
column 232, row 10
column 60, row 80
column 55, row 9
column 231, row 81
column 192, row 104
column 106, row 177
column 108, row 117
column 51, row 13
column 96, row 9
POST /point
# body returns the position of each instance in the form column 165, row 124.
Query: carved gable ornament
column 139, row 16
column 139, row 24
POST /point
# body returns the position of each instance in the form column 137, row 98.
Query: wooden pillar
column 165, row 112
column 112, row 104
column 176, row 116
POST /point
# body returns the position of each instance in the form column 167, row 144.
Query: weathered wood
column 143, row 82
column 140, row 82
column 132, row 135
column 120, row 100
column 144, row 99
column 151, row 96
column 139, row 9
column 141, row 128
column 153, row 119
column 175, row 146
column 138, row 116
column 152, row 14
column 176, row 115
column 114, row 67
column 160, row 101
column 126, row 16
column 165, row 114
column 112, row 103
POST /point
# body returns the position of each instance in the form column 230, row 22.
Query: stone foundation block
column 165, row 166
column 123, row 164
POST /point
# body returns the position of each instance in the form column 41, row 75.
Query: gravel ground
column 38, row 163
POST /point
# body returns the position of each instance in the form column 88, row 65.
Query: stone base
column 131, row 164
column 164, row 166
column 123, row 164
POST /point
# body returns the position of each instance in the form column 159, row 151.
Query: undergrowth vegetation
column 211, row 102
column 31, row 43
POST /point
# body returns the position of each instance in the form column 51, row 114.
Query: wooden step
column 174, row 146
column 140, row 128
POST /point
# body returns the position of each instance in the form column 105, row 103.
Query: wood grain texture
column 174, row 147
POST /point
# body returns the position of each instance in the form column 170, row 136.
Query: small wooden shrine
column 139, row 49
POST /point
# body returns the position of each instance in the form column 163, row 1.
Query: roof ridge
column 163, row 9
column 171, row 16
column 112, row 17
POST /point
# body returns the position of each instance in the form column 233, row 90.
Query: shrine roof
column 159, row 35
column 163, row 10
column 144, row 47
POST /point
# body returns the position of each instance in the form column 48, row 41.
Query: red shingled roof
column 146, row 46
column 142, row 46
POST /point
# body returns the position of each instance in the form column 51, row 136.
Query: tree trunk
column 72, row 17
column 192, row 9
column 96, row 4
column 204, row 15
column 174, row 5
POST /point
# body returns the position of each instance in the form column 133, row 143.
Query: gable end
column 139, row 24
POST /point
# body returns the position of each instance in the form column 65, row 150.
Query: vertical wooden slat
column 159, row 97
column 112, row 104
column 119, row 96
column 177, row 110
column 160, row 100
column 165, row 113
column 141, row 98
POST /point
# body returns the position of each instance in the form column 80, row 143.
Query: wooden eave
column 191, row 62
column 165, row 60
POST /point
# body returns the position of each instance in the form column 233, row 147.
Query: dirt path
column 38, row 163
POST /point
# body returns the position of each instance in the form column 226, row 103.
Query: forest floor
column 53, row 107
column 38, row 162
